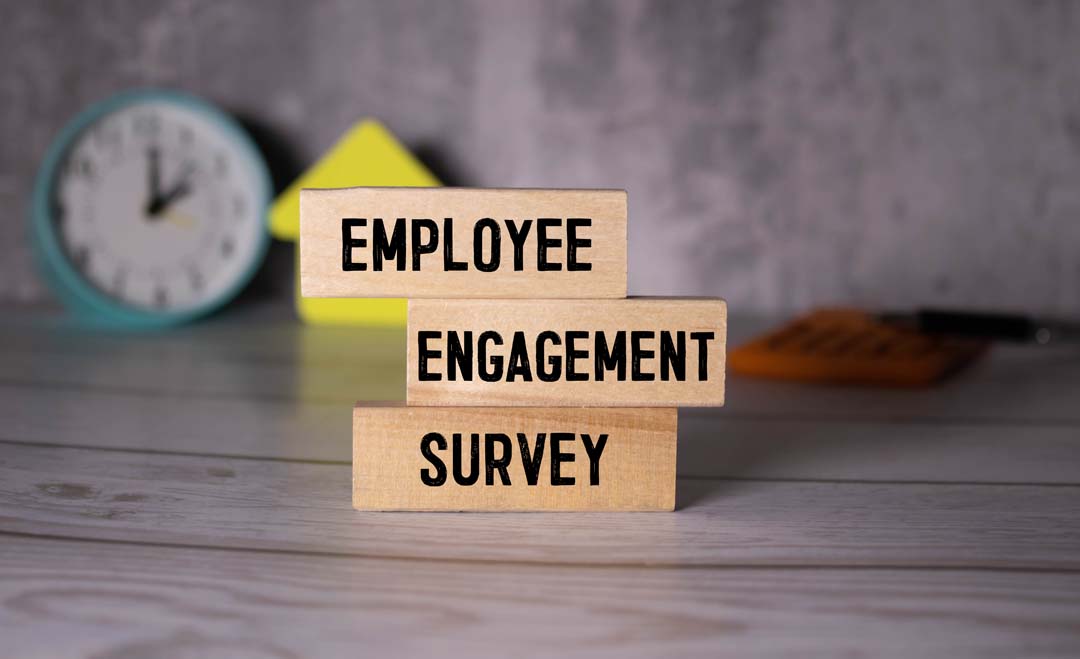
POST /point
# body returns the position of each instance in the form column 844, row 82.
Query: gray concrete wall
column 780, row 154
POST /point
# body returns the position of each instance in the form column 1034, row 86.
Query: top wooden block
column 462, row 243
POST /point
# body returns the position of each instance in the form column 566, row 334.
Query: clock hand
column 160, row 202
column 153, row 172
column 158, row 205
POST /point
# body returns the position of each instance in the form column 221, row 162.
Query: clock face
column 159, row 207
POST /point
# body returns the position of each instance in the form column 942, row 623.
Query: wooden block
column 483, row 458
column 604, row 353
column 462, row 242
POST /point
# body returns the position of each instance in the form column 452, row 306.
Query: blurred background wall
column 779, row 154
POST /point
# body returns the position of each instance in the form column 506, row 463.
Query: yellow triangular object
column 367, row 155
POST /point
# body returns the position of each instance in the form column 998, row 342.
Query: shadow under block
column 635, row 352
column 462, row 242
column 526, row 459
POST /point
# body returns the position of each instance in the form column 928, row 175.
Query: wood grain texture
column 847, row 522
column 242, row 357
column 287, row 506
column 257, row 385
column 321, row 243
column 433, row 323
column 594, row 459
column 74, row 598
column 712, row 443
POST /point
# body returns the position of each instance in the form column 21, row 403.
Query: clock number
column 81, row 256
column 227, row 247
column 79, row 167
column 161, row 297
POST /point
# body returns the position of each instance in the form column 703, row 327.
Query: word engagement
column 571, row 356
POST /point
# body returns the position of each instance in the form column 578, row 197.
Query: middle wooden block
column 637, row 352
column 462, row 242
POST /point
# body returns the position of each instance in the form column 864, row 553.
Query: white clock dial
column 157, row 206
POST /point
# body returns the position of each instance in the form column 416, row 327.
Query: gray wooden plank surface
column 711, row 443
column 187, row 492
column 279, row 359
column 75, row 599
column 252, row 361
column 289, row 506
column 276, row 389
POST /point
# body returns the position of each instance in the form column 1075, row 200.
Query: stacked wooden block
column 533, row 382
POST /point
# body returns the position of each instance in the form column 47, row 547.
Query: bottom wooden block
column 511, row 458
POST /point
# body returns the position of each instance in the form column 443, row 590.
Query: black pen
column 1016, row 328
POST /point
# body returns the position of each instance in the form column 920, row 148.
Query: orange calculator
column 850, row 346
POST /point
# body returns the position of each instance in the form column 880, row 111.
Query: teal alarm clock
column 150, row 210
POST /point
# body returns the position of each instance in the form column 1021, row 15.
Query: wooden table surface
column 186, row 493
